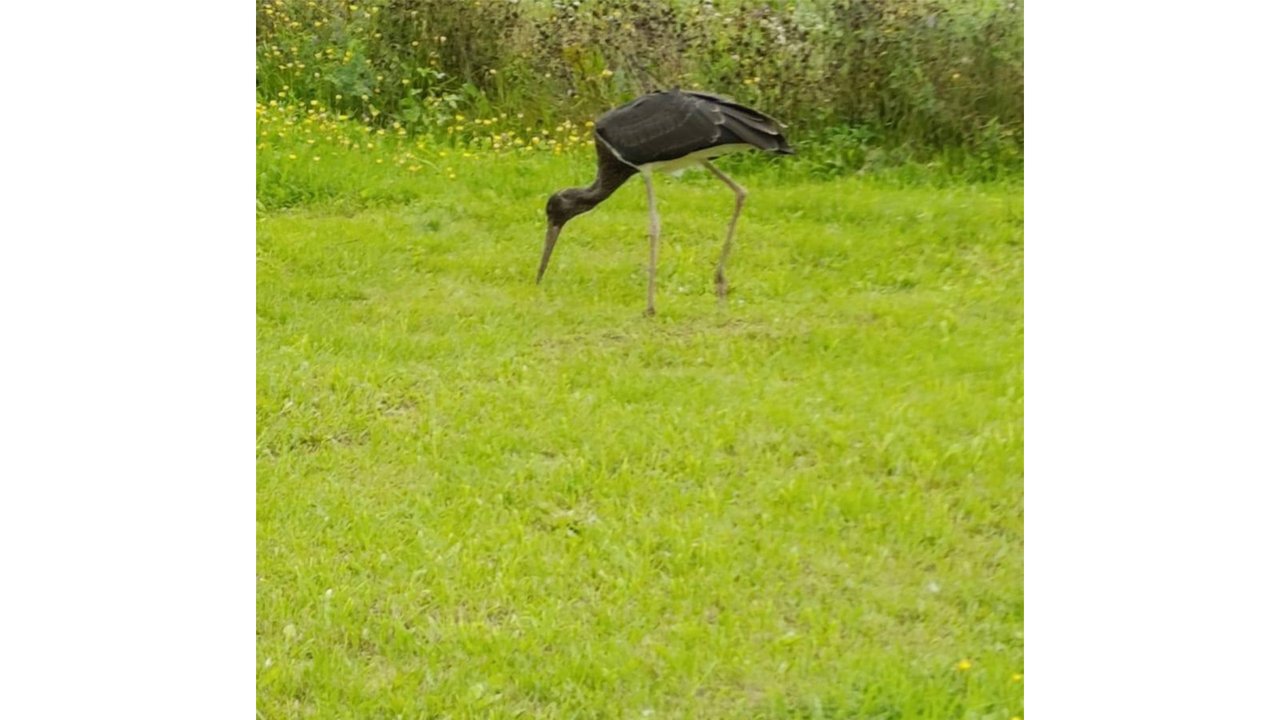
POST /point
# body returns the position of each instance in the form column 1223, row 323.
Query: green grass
column 481, row 498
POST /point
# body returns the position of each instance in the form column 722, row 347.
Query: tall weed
column 913, row 78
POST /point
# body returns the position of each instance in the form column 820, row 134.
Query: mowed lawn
column 483, row 498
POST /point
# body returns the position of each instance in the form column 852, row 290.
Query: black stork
column 668, row 131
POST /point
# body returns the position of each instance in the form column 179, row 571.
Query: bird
column 667, row 131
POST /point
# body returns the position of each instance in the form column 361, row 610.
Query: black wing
column 668, row 125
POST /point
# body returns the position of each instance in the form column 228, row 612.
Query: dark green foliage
column 886, row 79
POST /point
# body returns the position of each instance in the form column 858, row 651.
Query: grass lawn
column 482, row 498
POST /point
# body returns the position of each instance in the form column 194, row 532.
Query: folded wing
column 669, row 125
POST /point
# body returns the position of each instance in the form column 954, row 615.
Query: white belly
column 679, row 165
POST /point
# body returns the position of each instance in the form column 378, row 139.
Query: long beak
column 553, row 232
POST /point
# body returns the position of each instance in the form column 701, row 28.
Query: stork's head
column 561, row 207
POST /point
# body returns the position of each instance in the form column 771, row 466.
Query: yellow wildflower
column 964, row 665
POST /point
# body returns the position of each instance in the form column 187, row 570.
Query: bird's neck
column 603, row 187
column 611, row 173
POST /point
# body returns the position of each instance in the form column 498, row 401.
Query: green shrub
column 914, row 78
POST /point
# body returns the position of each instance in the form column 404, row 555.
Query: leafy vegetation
column 913, row 77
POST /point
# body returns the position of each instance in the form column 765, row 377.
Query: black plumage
column 666, row 126
column 667, row 131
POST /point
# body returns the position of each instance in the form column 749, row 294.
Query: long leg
column 722, row 284
column 653, row 244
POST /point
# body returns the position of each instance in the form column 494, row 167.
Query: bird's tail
column 751, row 125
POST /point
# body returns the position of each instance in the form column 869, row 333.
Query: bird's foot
column 722, row 285
column 650, row 311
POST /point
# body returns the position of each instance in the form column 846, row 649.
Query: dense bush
column 912, row 76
